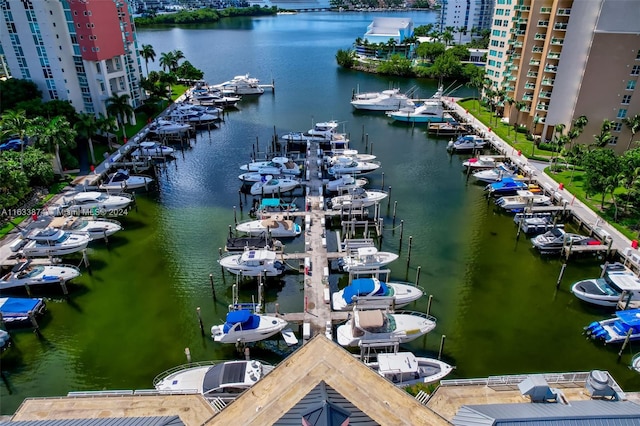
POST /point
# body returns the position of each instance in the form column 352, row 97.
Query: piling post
column 429, row 304
column 441, row 346
column 106, row 239
column 235, row 215
column 366, row 141
column 395, row 206
column 564, row 266
column 247, row 353
column 63, row 286
column 27, row 288
column 604, row 269
column 34, row 323
column 389, row 198
column 230, row 232
column 625, row 343
column 401, row 232
column 260, row 296
column 371, row 148
column 418, row 275
column 240, row 199
column 382, row 186
column 85, row 259
column 200, row 321
column 213, row 287
column 409, row 254
column 187, row 352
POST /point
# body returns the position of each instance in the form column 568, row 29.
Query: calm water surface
column 133, row 317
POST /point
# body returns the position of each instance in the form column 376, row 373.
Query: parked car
column 11, row 145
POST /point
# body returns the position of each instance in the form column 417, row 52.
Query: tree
column 633, row 124
column 459, row 51
column 461, row 30
column 86, row 127
column 55, row 133
column 187, row 71
column 604, row 137
column 148, row 54
column 396, row 65
column 430, row 51
column 558, row 131
column 118, row 107
column 37, row 165
column 447, row 37
column 167, row 61
column 600, row 165
column 346, row 58
column 577, row 127
column 14, row 184
column 15, row 90
column 423, row 30
column 16, row 124
column 446, row 66
column 168, row 80
column 519, row 106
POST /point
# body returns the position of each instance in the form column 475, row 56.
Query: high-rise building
column 567, row 58
column 468, row 17
column 83, row 51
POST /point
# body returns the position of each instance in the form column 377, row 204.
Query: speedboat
column 196, row 115
column 17, row 310
column 152, row 149
column 24, row 275
column 270, row 185
column 349, row 166
column 635, row 363
column 94, row 203
column 277, row 228
column 268, row 206
column 625, row 324
column 482, row 162
column 123, row 180
column 241, row 85
column 162, row 126
column 214, row 96
column 362, row 290
column 536, row 223
column 225, row 379
column 54, row 242
column 496, row 174
column 430, row 111
column 387, row 100
column 365, row 258
column 357, row 197
column 353, row 153
column 506, row 186
column 447, row 129
column 523, row 199
column 325, row 131
column 244, row 326
column 466, row 143
column 552, row 242
column 253, row 263
column 278, row 164
column 617, row 284
column 377, row 325
column 345, row 182
column 96, row 228
column 405, row 369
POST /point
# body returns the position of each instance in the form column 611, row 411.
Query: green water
column 495, row 299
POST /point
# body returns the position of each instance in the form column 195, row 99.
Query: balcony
column 509, row 88
column 525, row 109
column 553, row 55
column 548, row 81
column 516, row 56
column 537, row 49
column 527, row 97
column 545, row 10
column 544, row 94
column 517, row 44
column 534, row 62
column 540, row 36
column 532, row 74
column 550, row 68
column 557, row 41
column 563, row 12
column 529, row 86
column 542, row 106
column 543, row 23
column 560, row 26
column 512, row 78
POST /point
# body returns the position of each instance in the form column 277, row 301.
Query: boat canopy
column 248, row 320
column 17, row 307
column 624, row 281
column 631, row 317
column 403, row 362
column 367, row 251
column 370, row 319
column 222, row 374
column 363, row 287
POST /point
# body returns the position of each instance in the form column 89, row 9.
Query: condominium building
column 565, row 59
column 82, row 51
column 466, row 16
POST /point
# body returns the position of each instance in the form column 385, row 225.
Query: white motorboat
column 162, row 126
column 635, row 363
column 624, row 325
column 379, row 326
column 270, row 185
column 361, row 291
column 523, row 199
column 253, row 263
column 214, row 97
column 466, row 143
column 213, row 379
column 357, row 198
column 349, row 166
column 482, row 162
column 325, row 131
column 252, row 177
column 387, row 100
column 536, row 223
column 617, row 284
column 345, row 183
column 353, row 153
column 365, row 258
column 123, row 180
column 54, row 242
column 194, row 114
column 96, row 228
column 152, row 149
column 277, row 228
column 496, row 174
column 244, row 326
column 25, row 274
column 553, row 241
column 274, row 166
column 405, row 369
column 241, row 85
column 430, row 111
column 94, row 203
column 18, row 310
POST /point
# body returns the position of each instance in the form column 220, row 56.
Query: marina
column 449, row 240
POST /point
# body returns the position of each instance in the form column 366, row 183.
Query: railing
column 527, row 97
column 548, row 81
column 550, row 68
column 532, row 74
column 540, row 36
column 537, row 49
column 542, row 107
column 553, row 55
column 543, row 23
column 545, row 10
column 560, row 26
column 534, row 62
column 545, row 95
column 529, row 86
column 557, row 41
column 563, row 12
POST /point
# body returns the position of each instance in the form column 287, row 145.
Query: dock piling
column 200, row 321
column 429, row 304
column 409, row 254
column 564, row 266
column 625, row 343
column 187, row 352
column 213, row 287
column 382, row 186
column 441, row 346
column 418, row 275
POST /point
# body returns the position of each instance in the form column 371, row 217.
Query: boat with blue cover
column 507, row 186
column 362, row 291
column 17, row 310
column 616, row 329
column 245, row 326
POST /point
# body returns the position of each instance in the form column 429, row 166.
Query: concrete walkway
column 536, row 169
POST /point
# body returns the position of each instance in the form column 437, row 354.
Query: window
column 501, row 44
column 626, row 99
column 635, row 70
column 499, row 12
column 494, row 43
column 631, row 84
column 622, row 113
column 616, row 127
column 493, row 53
column 496, row 33
column 638, row 56
column 499, row 54
column 614, row 140
column 504, row 34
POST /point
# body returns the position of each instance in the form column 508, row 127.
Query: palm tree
column 52, row 134
column 118, row 106
column 633, row 124
column 106, row 125
column 167, row 79
column 177, row 54
column 15, row 123
column 447, row 37
column 519, row 106
column 604, row 137
column 167, row 60
column 461, row 30
column 558, row 131
column 148, row 54
column 86, row 127
column 358, row 42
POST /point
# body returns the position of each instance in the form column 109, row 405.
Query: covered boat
column 536, row 223
column 616, row 329
column 364, row 291
column 506, row 186
column 618, row 284
column 467, row 143
column 214, row 379
column 152, row 149
column 18, row 310
column 244, row 326
column 405, row 369
column 381, row 326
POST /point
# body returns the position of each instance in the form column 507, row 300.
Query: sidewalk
column 535, row 169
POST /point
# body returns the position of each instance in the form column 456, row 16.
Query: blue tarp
column 248, row 320
column 270, row 202
column 630, row 317
column 238, row 316
column 362, row 287
column 16, row 307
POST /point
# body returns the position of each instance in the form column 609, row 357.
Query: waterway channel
column 132, row 318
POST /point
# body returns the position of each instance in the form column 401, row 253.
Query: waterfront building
column 467, row 17
column 293, row 4
column 564, row 59
column 81, row 51
column 381, row 30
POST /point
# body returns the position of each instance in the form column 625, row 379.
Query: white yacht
column 165, row 126
column 405, row 369
column 244, row 326
column 275, row 166
column 466, row 143
column 277, row 228
column 253, row 263
column 241, row 85
column 363, row 291
column 387, row 100
column 270, row 185
column 325, row 131
column 366, row 258
column 616, row 284
column 97, row 228
column 523, row 199
column 496, row 174
column 357, row 198
column 24, row 274
column 345, row 183
column 152, row 149
column 349, row 166
column 94, row 203
column 54, row 242
column 122, row 180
